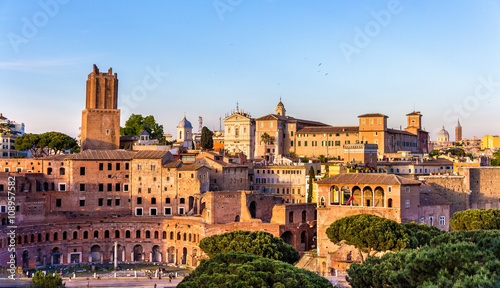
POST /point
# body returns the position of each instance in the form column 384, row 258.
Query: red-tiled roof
column 150, row 154
column 373, row 115
column 103, row 155
column 190, row 167
column 329, row 129
column 429, row 196
column 367, row 178
column 173, row 164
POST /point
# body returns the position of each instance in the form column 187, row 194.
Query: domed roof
column 184, row 123
column 443, row 132
column 144, row 133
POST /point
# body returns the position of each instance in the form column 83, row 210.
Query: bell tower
column 101, row 118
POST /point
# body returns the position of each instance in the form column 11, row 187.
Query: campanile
column 101, row 118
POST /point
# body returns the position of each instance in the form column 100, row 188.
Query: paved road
column 108, row 283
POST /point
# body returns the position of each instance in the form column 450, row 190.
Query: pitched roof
column 429, row 196
column 329, row 129
column 414, row 113
column 150, row 154
column 367, row 178
column 396, row 131
column 190, row 167
column 173, row 164
column 59, row 157
column 103, row 155
column 222, row 163
column 373, row 115
column 272, row 117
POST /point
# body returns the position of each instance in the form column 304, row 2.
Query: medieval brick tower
column 458, row 132
column 101, row 118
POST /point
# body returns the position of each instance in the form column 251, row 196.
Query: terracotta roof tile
column 104, row 155
column 373, row 115
column 329, row 129
column 367, row 178
column 151, row 154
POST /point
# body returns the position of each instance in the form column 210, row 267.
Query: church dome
column 443, row 136
column 144, row 133
column 184, row 123
column 443, row 132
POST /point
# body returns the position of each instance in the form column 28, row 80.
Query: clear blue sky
column 329, row 61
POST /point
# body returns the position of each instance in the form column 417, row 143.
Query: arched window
column 138, row 234
column 96, row 234
column 157, row 235
column 304, row 216
column 117, row 234
column 164, row 235
column 290, row 217
column 148, row 234
column 127, row 234
column 85, row 234
column 389, row 203
column 65, row 235
column 106, row 234
column 75, row 235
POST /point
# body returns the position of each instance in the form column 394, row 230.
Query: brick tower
column 458, row 132
column 101, row 118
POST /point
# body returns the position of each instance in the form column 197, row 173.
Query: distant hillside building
column 9, row 131
column 239, row 133
column 458, row 132
column 185, row 133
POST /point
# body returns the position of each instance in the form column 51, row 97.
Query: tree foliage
column 496, row 159
column 238, row 269
column 136, row 124
column 207, row 140
column 45, row 144
column 482, row 237
column 476, row 219
column 41, row 281
column 310, row 188
column 259, row 243
column 322, row 159
column 266, row 138
column 369, row 233
column 422, row 233
column 454, row 259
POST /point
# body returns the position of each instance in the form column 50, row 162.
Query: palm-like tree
column 265, row 138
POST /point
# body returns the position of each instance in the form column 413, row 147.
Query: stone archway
column 184, row 256
column 253, row 209
column 95, row 254
column 26, row 258
column 138, row 253
column 171, row 254
column 287, row 236
column 55, row 256
column 303, row 241
column 378, row 200
column 156, row 254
